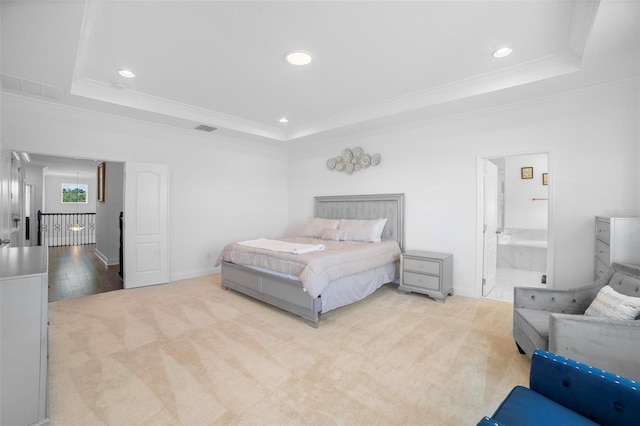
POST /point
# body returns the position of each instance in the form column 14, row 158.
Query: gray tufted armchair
column 554, row 320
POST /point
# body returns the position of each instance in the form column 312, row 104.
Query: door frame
column 128, row 246
column 5, row 196
column 480, row 159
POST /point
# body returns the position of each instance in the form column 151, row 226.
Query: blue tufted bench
column 554, row 320
column 566, row 392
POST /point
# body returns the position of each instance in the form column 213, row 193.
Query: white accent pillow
column 369, row 231
column 315, row 226
column 611, row 304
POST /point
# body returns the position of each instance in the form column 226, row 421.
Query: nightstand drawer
column 421, row 281
column 422, row 266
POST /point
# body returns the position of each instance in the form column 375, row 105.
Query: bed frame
column 289, row 294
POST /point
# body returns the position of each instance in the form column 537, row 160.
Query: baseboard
column 105, row 259
column 194, row 274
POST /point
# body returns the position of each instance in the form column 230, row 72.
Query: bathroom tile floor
column 507, row 279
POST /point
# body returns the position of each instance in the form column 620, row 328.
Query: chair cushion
column 524, row 407
column 535, row 324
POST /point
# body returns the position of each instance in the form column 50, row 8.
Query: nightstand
column 428, row 273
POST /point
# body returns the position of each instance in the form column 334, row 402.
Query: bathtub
column 523, row 238
column 523, row 249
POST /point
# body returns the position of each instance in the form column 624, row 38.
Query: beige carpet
column 191, row 353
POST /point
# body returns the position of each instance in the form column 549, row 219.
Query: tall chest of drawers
column 617, row 241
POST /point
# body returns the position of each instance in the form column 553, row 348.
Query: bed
column 285, row 288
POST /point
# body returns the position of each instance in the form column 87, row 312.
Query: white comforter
column 316, row 269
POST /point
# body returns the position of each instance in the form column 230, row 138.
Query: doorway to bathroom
column 515, row 206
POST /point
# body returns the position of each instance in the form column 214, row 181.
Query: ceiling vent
column 31, row 88
column 206, row 128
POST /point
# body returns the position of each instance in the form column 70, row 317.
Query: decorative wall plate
column 353, row 160
column 350, row 168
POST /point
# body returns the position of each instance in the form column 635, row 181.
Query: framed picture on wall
column 101, row 175
column 545, row 178
column 526, row 173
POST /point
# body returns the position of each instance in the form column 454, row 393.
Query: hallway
column 76, row 271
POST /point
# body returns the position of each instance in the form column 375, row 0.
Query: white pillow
column 611, row 304
column 333, row 234
column 368, row 231
column 315, row 226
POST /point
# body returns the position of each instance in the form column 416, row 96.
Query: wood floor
column 76, row 271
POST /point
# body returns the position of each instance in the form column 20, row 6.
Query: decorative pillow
column 611, row 304
column 368, row 231
column 315, row 226
column 333, row 234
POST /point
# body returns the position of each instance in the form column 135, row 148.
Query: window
column 74, row 193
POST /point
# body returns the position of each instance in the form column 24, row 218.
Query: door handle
column 3, row 242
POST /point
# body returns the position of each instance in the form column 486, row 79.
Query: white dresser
column 617, row 240
column 23, row 333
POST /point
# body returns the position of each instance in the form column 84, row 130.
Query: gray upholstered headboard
column 372, row 206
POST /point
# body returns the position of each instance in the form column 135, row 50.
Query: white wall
column 108, row 214
column 5, row 197
column 521, row 210
column 53, row 194
column 35, row 178
column 592, row 140
column 221, row 189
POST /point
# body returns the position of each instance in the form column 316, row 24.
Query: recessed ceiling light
column 502, row 52
column 126, row 73
column 299, row 57
column 284, row 120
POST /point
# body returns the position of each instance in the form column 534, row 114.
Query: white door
column 490, row 235
column 146, row 225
